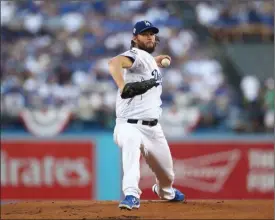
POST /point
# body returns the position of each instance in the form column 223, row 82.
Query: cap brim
column 154, row 29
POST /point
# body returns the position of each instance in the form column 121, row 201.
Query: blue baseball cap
column 142, row 26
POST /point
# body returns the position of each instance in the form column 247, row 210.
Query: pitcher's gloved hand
column 137, row 88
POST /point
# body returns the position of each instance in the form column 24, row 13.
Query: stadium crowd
column 237, row 18
column 234, row 13
column 56, row 54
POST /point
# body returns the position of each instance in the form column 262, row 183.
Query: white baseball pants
column 137, row 139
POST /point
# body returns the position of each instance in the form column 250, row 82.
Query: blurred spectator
column 207, row 12
column 179, row 120
column 204, row 72
column 250, row 86
column 269, row 99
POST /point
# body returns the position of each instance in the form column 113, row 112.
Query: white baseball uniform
column 135, row 139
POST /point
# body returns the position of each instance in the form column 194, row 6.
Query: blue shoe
column 130, row 202
column 179, row 197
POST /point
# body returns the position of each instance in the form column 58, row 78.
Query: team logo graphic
column 147, row 23
column 157, row 75
column 47, row 122
column 133, row 51
column 207, row 173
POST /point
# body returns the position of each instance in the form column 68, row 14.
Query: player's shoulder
column 140, row 53
column 135, row 51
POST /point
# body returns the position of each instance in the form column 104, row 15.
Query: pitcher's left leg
column 159, row 159
column 160, row 164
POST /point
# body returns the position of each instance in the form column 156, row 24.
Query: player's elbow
column 113, row 62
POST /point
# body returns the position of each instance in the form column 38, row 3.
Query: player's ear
column 134, row 39
column 133, row 42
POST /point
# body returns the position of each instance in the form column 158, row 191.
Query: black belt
column 149, row 123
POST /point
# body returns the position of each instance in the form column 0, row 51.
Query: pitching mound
column 210, row 209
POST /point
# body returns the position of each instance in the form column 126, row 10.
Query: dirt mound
column 209, row 209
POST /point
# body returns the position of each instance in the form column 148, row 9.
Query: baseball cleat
column 179, row 196
column 154, row 189
column 130, row 202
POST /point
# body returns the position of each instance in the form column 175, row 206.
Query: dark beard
column 142, row 46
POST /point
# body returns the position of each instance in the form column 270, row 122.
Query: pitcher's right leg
column 128, row 139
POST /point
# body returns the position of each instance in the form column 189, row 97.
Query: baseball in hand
column 165, row 62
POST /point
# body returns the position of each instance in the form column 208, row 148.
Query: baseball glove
column 137, row 88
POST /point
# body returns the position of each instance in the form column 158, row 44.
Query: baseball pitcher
column 138, row 108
